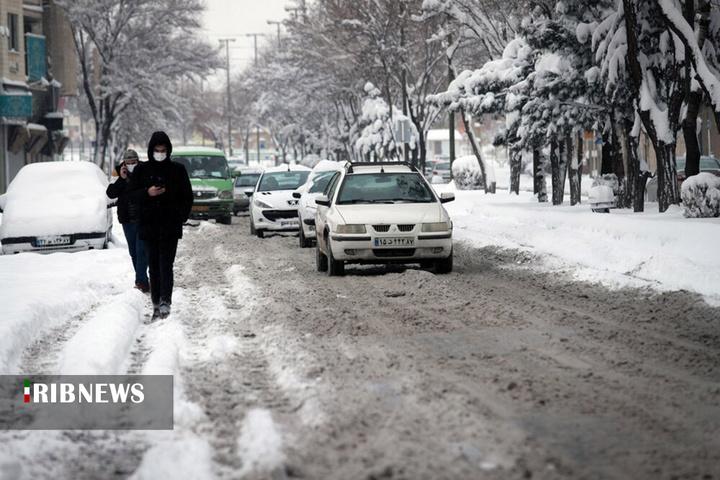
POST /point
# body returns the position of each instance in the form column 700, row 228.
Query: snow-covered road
column 499, row 370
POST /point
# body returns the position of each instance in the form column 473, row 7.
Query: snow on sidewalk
column 664, row 251
column 102, row 345
column 41, row 292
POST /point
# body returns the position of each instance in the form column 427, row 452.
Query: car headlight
column 436, row 227
column 261, row 204
column 226, row 195
column 351, row 229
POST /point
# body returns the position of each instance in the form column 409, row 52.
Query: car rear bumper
column 241, row 203
column 78, row 242
column 361, row 249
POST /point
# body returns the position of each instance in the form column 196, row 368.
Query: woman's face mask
column 131, row 166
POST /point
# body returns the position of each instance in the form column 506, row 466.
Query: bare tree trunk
column 539, row 184
column 515, row 167
column 574, row 167
column 667, row 176
column 476, row 150
column 557, row 165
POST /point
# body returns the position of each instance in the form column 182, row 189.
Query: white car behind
column 316, row 185
column 56, row 206
column 382, row 213
column 273, row 207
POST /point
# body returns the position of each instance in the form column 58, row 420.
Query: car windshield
column 247, row 180
column 384, row 188
column 204, row 167
column 321, row 182
column 708, row 163
column 282, row 181
column 442, row 166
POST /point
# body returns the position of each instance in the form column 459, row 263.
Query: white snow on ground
column 260, row 443
column 665, row 251
column 187, row 458
column 102, row 345
column 42, row 292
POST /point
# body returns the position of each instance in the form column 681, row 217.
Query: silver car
column 246, row 179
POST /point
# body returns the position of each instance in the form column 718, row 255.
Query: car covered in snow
column 273, row 207
column 211, row 180
column 316, row 185
column 246, row 178
column 382, row 213
column 56, row 206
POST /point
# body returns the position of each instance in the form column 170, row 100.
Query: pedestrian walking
column 128, row 212
column 163, row 190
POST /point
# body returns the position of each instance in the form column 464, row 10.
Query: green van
column 211, row 180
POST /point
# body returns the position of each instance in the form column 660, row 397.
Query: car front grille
column 406, row 228
column 381, row 228
column 393, row 252
column 204, row 195
column 274, row 215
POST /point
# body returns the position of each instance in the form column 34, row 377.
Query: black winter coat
column 128, row 211
column 163, row 216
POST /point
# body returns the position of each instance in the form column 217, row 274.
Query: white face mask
column 131, row 167
column 159, row 157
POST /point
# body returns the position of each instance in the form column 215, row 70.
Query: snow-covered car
column 382, row 213
column 247, row 178
column 441, row 172
column 273, row 207
column 316, row 185
column 56, row 206
column 601, row 198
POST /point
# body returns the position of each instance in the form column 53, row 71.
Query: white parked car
column 273, row 207
column 316, row 185
column 56, row 206
column 382, row 213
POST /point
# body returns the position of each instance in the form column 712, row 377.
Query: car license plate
column 394, row 242
column 290, row 223
column 52, row 240
column 200, row 208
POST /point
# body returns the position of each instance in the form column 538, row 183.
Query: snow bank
column 260, row 443
column 103, row 343
column 701, row 196
column 663, row 251
column 188, row 458
column 55, row 198
column 467, row 174
column 42, row 292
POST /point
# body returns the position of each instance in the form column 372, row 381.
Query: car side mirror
column 446, row 197
column 249, row 192
column 323, row 201
column 297, row 195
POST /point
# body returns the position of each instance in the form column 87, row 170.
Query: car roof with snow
column 189, row 150
column 380, row 167
column 287, row 168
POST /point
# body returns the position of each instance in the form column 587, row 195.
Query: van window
column 204, row 167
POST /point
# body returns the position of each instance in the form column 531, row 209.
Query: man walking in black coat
column 163, row 190
column 129, row 217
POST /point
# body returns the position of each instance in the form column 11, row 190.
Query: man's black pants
column 161, row 257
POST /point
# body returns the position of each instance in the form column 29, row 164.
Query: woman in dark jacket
column 162, row 189
column 129, row 217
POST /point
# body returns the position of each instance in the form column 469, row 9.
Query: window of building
column 13, row 41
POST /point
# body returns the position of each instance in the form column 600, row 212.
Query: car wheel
column 260, row 233
column 304, row 242
column 321, row 261
column 225, row 220
column 444, row 265
column 252, row 226
column 601, row 210
column 336, row 268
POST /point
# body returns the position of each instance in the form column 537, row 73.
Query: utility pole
column 257, row 140
column 278, row 25
column 227, row 41
column 451, row 116
column 255, row 42
column 403, row 7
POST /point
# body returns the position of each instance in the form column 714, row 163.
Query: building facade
column 37, row 71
